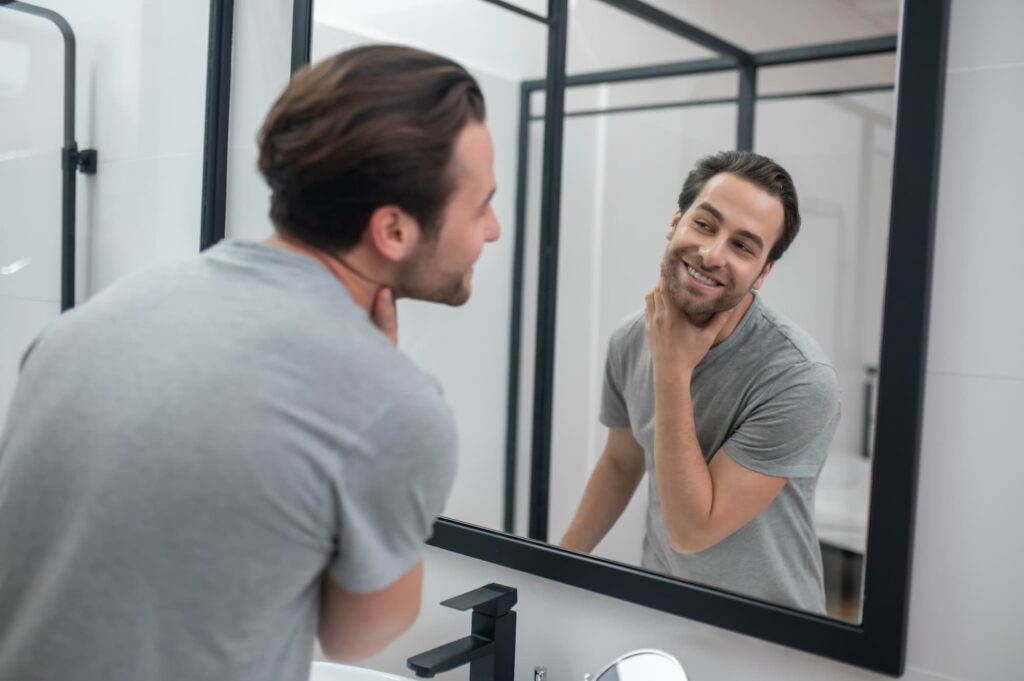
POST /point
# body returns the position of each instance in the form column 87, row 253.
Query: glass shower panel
column 140, row 101
column 31, row 93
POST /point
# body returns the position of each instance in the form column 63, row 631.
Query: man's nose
column 493, row 229
column 711, row 254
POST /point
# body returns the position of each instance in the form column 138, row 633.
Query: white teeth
column 700, row 277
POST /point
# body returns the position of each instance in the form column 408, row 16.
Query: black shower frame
column 72, row 159
column 878, row 642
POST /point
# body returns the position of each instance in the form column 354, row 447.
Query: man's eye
column 703, row 226
column 743, row 247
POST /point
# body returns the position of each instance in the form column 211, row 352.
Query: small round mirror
column 643, row 665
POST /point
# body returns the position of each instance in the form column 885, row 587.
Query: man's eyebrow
column 742, row 233
column 750, row 236
column 711, row 209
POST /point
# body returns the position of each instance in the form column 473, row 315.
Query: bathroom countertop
column 841, row 502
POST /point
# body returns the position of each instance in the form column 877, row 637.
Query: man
column 210, row 463
column 728, row 406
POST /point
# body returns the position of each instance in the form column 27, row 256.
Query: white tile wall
column 20, row 322
column 146, row 211
column 968, row 556
column 986, row 33
column 30, row 225
column 981, row 228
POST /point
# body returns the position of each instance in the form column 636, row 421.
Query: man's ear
column 764, row 273
column 675, row 222
column 392, row 232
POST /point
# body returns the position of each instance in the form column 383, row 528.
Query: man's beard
column 697, row 304
column 416, row 281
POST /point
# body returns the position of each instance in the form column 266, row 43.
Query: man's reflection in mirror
column 728, row 406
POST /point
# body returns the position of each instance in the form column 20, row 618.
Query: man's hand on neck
column 736, row 315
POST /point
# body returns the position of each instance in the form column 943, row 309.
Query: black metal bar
column 69, row 193
column 868, row 422
column 823, row 51
column 817, row 52
column 516, row 322
column 688, row 103
column 69, row 152
column 218, row 103
column 819, row 634
column 919, row 100
column 547, row 279
column 676, row 25
column 518, row 10
column 829, row 92
column 302, row 33
column 679, row 68
column 745, row 112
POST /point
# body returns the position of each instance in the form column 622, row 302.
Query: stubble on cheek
column 670, row 266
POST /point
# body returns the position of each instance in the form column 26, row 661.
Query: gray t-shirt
column 188, row 453
column 768, row 396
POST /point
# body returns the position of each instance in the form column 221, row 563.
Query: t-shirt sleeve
column 613, row 403
column 390, row 493
column 789, row 431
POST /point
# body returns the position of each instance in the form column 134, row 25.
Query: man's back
column 187, row 454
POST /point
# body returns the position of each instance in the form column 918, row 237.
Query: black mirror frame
column 879, row 641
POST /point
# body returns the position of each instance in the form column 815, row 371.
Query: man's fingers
column 384, row 314
column 719, row 320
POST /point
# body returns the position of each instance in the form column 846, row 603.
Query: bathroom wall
column 966, row 597
column 141, row 92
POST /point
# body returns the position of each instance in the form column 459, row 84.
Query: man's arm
column 354, row 626
column 701, row 503
column 611, row 486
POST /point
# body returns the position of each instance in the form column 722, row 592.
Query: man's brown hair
column 756, row 169
column 367, row 127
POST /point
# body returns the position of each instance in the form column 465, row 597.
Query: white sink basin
column 328, row 671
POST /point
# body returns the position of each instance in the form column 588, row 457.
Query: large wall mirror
column 598, row 109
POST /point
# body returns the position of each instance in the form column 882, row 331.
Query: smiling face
column 718, row 249
column 441, row 270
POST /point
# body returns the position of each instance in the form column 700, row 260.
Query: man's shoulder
column 629, row 331
column 783, row 339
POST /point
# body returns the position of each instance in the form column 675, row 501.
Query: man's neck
column 362, row 289
column 734, row 319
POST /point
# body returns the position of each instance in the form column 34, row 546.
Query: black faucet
column 490, row 649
